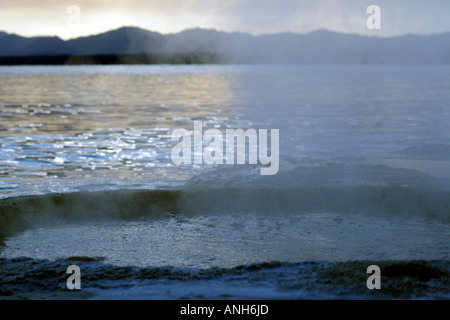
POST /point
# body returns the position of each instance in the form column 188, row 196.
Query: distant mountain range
column 135, row 45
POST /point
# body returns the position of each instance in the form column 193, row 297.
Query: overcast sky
column 50, row 17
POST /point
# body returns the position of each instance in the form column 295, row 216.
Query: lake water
column 86, row 169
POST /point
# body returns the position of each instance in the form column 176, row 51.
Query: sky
column 59, row 18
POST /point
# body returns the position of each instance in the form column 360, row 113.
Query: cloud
column 49, row 17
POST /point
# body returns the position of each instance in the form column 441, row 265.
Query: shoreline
column 26, row 278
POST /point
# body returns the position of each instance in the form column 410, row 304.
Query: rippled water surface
column 87, row 127
column 364, row 164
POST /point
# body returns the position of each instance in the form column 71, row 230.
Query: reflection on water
column 98, row 127
column 78, row 127
column 345, row 135
column 74, row 103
